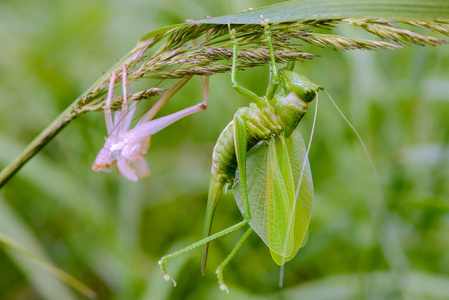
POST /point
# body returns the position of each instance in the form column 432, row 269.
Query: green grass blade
column 340, row 9
column 34, row 254
column 61, row 187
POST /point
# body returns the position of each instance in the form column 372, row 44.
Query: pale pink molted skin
column 126, row 147
column 127, row 155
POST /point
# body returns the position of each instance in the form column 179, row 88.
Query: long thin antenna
column 391, row 247
column 361, row 142
column 281, row 275
column 307, row 151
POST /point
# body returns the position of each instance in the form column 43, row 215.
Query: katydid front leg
column 228, row 258
column 241, row 145
column 250, row 95
column 274, row 76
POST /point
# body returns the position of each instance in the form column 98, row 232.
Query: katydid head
column 292, row 97
column 298, row 84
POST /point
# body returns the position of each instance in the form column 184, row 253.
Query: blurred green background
column 110, row 233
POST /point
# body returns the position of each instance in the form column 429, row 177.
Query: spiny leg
column 161, row 102
column 214, row 193
column 204, row 80
column 127, row 116
column 133, row 107
column 274, row 76
column 240, row 141
column 215, row 185
column 116, row 125
column 164, row 259
column 245, row 92
column 107, row 106
column 231, row 255
column 152, row 126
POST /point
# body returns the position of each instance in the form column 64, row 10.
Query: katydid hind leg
column 231, row 255
column 215, row 190
column 200, row 243
column 241, row 145
column 216, row 187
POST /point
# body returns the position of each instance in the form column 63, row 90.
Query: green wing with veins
column 274, row 170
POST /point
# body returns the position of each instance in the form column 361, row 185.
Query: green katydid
column 275, row 169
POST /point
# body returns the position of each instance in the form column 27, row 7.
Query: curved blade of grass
column 57, row 184
column 9, row 223
column 339, row 9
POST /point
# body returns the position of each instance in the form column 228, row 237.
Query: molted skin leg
column 107, row 107
column 126, row 116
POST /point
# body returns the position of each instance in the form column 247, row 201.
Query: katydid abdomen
column 261, row 123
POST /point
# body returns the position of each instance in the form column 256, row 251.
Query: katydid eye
column 308, row 94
